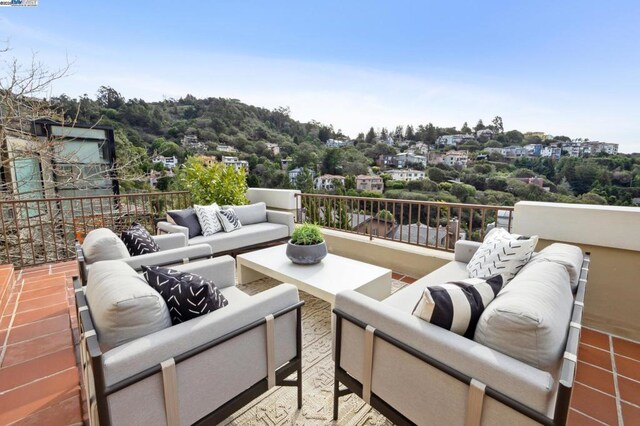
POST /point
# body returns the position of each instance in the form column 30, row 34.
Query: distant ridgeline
column 480, row 164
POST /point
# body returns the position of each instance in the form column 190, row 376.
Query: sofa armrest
column 170, row 241
column 283, row 218
column 170, row 228
column 221, row 270
column 133, row 357
column 465, row 250
column 520, row 381
column 169, row 257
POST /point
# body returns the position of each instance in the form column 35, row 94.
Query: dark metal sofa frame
column 567, row 373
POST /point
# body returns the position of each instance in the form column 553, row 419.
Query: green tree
column 497, row 124
column 465, row 128
column 304, row 181
column 216, row 183
column 371, row 136
column 331, row 162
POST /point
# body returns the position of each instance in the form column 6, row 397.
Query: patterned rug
column 279, row 405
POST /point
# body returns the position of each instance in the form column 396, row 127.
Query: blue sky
column 570, row 67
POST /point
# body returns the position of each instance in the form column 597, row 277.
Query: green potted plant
column 306, row 246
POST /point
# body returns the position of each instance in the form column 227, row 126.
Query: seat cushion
column 102, row 244
column 567, row 255
column 138, row 240
column 529, row 318
column 246, row 236
column 501, row 253
column 188, row 219
column 187, row 295
column 234, row 295
column 406, row 298
column 251, row 213
column 123, row 306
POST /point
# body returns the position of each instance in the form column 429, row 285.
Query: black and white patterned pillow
column 457, row 305
column 501, row 253
column 187, row 295
column 138, row 240
column 208, row 218
column 229, row 219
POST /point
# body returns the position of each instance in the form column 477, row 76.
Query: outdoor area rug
column 279, row 405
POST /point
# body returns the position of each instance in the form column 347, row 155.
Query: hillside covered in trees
column 144, row 129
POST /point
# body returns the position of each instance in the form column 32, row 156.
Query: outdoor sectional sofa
column 260, row 227
column 415, row 372
column 139, row 370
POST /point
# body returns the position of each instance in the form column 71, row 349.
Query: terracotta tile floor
column 40, row 384
column 39, row 378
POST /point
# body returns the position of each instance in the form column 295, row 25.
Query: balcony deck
column 40, row 383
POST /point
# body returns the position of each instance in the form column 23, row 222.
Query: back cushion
column 529, row 318
column 103, row 244
column 566, row 255
column 252, row 213
column 123, row 306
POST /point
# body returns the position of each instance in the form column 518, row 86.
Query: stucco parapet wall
column 281, row 199
column 604, row 226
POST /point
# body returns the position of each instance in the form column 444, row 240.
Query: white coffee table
column 323, row 280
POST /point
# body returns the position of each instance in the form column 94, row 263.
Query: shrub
column 215, row 183
column 306, row 235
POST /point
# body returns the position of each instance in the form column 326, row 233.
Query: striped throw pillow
column 457, row 305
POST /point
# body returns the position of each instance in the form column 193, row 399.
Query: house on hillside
column 225, row 148
column 552, row 152
column 369, row 183
column 452, row 158
column 453, row 140
column 235, row 163
column 328, row 182
column 337, row 143
column 167, row 162
column 406, row 174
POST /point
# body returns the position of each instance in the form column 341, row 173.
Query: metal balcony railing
column 435, row 225
column 39, row 231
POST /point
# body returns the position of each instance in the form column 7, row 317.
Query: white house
column 168, row 162
column 226, row 148
column 454, row 139
column 336, row 143
column 456, row 158
column 233, row 161
column 327, row 182
column 552, row 152
column 406, row 174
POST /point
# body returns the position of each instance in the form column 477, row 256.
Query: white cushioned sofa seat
column 257, row 233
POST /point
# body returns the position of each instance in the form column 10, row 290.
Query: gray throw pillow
column 188, row 219
column 123, row 306
column 102, row 244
